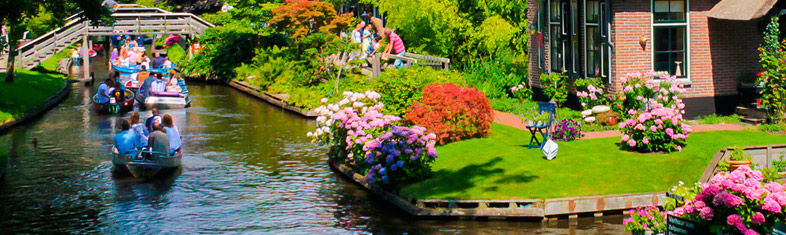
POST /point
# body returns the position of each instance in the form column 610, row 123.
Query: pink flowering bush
column 590, row 92
column 399, row 155
column 360, row 135
column 653, row 111
column 645, row 218
column 737, row 201
column 351, row 122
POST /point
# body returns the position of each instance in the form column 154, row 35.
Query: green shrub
column 176, row 54
column 772, row 128
column 554, row 87
column 400, row 87
column 495, row 77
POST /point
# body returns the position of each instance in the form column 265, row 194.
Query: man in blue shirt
column 103, row 91
column 125, row 141
column 156, row 118
column 158, row 61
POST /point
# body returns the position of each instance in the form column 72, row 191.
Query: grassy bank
column 501, row 167
column 28, row 91
column 51, row 64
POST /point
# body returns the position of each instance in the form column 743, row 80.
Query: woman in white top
column 175, row 141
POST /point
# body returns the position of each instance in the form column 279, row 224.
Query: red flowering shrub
column 451, row 112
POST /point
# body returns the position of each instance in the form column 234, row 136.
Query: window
column 670, row 37
column 539, row 36
column 597, row 49
column 555, row 35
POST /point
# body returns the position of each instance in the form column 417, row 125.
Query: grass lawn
column 51, row 64
column 501, row 167
column 27, row 92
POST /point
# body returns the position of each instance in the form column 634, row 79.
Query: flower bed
column 737, row 201
column 653, row 110
column 360, row 135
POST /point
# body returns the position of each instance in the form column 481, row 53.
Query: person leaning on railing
column 396, row 45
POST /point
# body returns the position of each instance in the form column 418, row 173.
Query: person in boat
column 158, row 141
column 167, row 63
column 143, row 74
column 173, row 85
column 140, row 131
column 125, row 141
column 158, row 61
column 156, row 118
column 120, row 89
column 158, row 84
column 103, row 91
column 145, row 61
column 175, row 140
column 144, row 89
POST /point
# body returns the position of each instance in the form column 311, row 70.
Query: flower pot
column 612, row 120
column 733, row 165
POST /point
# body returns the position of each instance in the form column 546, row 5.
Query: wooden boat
column 165, row 100
column 113, row 107
column 146, row 163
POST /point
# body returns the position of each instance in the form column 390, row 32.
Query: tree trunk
column 9, row 73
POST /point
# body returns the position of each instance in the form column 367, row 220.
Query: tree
column 301, row 18
column 16, row 12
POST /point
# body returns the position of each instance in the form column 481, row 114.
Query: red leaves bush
column 451, row 112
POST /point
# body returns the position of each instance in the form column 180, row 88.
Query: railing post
column 85, row 56
column 375, row 67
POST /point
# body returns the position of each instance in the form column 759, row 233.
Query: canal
column 248, row 167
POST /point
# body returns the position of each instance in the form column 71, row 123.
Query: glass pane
column 661, row 41
column 669, row 39
column 574, row 16
column 669, row 10
column 661, row 62
column 555, row 50
column 677, row 39
column 677, row 64
column 555, row 10
column 661, row 6
column 592, row 11
column 592, row 38
column 575, row 52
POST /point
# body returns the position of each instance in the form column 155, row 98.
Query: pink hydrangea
column 733, row 219
column 771, row 205
column 758, row 218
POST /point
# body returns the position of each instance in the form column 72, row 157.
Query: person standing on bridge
column 396, row 45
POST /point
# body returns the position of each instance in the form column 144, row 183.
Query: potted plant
column 738, row 158
column 645, row 220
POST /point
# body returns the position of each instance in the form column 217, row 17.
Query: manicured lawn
column 501, row 167
column 27, row 92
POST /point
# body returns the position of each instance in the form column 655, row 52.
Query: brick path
column 513, row 120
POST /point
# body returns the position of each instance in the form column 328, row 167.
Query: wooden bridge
column 130, row 19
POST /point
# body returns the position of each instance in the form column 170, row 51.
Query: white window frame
column 686, row 80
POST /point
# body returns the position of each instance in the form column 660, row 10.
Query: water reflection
column 248, row 168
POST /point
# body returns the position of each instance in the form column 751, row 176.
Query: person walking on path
column 396, row 45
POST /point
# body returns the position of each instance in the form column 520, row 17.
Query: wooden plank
column 710, row 170
column 247, row 88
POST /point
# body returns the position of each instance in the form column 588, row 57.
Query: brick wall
column 721, row 51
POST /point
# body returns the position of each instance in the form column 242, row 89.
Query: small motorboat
column 165, row 100
column 146, row 163
column 114, row 107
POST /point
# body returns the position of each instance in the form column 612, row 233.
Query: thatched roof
column 741, row 9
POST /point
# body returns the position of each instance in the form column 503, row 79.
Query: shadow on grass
column 461, row 180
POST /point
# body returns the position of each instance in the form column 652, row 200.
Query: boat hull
column 141, row 167
column 109, row 108
column 165, row 102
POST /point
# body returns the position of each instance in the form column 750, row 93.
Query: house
column 707, row 44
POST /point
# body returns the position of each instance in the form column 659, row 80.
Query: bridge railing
column 130, row 19
column 375, row 60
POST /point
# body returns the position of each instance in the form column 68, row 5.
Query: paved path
column 513, row 120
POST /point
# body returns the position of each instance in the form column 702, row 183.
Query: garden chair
column 541, row 127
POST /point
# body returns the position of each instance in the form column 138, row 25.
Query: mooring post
column 85, row 55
